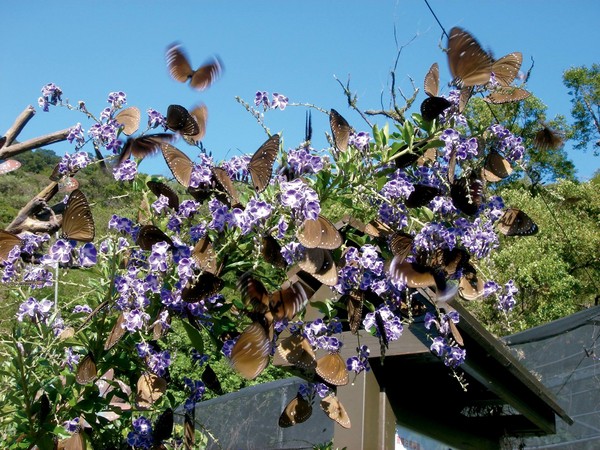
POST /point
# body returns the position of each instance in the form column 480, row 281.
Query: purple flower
column 439, row 345
column 360, row 140
column 76, row 134
column 117, row 99
column 161, row 204
column 301, row 161
column 301, row 199
column 262, row 97
column 361, row 361
column 34, row 309
column 51, row 95
column 78, row 309
column 506, row 301
column 141, row 436
column 125, row 171
column 71, row 426
column 135, row 320
column 279, row 101
column 121, row 224
column 155, row 118
column 88, row 255
column 159, row 362
column 455, row 356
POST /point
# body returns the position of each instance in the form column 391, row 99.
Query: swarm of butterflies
column 446, row 273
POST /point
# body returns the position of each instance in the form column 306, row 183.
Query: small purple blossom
column 141, row 436
column 125, row 171
column 261, row 98
column 279, row 101
column 51, row 95
column 155, row 119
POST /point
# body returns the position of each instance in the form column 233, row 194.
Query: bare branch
column 352, row 99
column 31, row 144
column 19, row 124
column 24, row 223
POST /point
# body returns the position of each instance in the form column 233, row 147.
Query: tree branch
column 24, row 223
column 19, row 124
column 31, row 144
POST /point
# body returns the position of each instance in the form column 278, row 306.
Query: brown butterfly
column 470, row 286
column 8, row 241
column 203, row 286
column 150, row 388
column 376, row 228
column 296, row 350
column 286, row 302
column 421, row 195
column 319, row 233
column 401, row 245
column 159, row 189
column 250, row 353
column 204, row 255
column 180, row 120
column 163, row 426
column 271, row 252
column 75, row 442
column 129, row 118
column 355, row 300
column 467, row 194
column 327, row 274
column 298, row 410
column 470, row 65
column 150, row 235
column 261, row 163
column 496, row 167
column 332, row 369
column 181, row 69
column 9, row 165
column 77, row 222
column 547, row 138
column 335, row 410
column 143, row 146
column 86, row 370
column 209, row 378
column 340, row 130
column 433, row 105
column 507, row 68
column 180, row 164
column 225, row 184
column 189, row 430
column 515, row 222
column 116, row 333
column 415, row 275
column 200, row 113
column 506, row 94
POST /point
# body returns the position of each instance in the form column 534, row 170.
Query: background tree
column 584, row 87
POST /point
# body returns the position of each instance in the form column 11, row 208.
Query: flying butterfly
column 470, row 65
column 159, row 189
column 506, row 94
column 547, row 138
column 433, row 105
column 271, row 252
column 225, row 184
column 117, row 332
column 261, row 163
column 415, row 275
column 86, row 370
column 9, row 165
column 202, row 287
column 507, row 68
column 470, row 286
column 8, row 241
column 150, row 235
column 298, row 410
column 340, row 130
column 335, row 410
column 200, row 114
column 143, row 146
column 296, row 350
column 250, row 353
column 319, row 233
column 181, row 69
column 515, row 222
column 77, row 222
column 327, row 274
column 163, row 426
column 332, row 369
column 150, row 388
column 181, row 121
column 496, row 167
column 401, row 245
column 129, row 119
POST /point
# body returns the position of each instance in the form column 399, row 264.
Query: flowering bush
column 215, row 265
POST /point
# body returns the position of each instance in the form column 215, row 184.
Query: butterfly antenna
column 308, row 128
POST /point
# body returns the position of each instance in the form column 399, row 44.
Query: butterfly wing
column 200, row 114
column 150, row 388
column 288, row 301
column 250, row 354
column 86, row 370
column 178, row 63
column 207, row 74
column 340, row 130
column 506, row 94
column 507, row 68
column 159, row 189
column 9, row 165
column 261, row 163
column 496, row 167
column 179, row 119
column 180, row 164
column 204, row 255
column 335, row 410
column 150, row 235
column 78, row 223
column 225, row 184
column 421, row 195
column 116, row 333
column 298, row 410
column 432, row 107
column 432, row 80
column 515, row 222
column 470, row 65
column 296, row 350
column 332, row 369
column 129, row 118
column 8, row 241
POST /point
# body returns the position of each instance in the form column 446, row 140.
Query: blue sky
column 292, row 47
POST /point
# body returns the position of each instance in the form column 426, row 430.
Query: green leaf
column 195, row 337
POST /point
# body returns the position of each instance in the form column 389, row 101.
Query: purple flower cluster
column 464, row 148
column 76, row 134
column 318, row 335
column 117, row 99
column 126, row 171
column 141, row 436
column 302, row 161
column 453, row 356
column 505, row 142
column 309, row 390
column 359, row 362
column 37, row 311
column 262, row 98
column 51, row 95
column 398, row 187
column 363, row 269
column 391, row 322
column 255, row 213
column 105, row 135
column 435, row 236
column 72, row 163
column 478, row 237
column 237, row 167
column 155, row 119
column 221, row 216
column 360, row 140
column 197, row 390
column 506, row 301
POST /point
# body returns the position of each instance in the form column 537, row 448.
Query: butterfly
column 320, row 264
column 77, row 221
column 286, row 302
column 261, row 163
column 209, row 378
column 150, row 388
column 9, row 165
column 86, row 370
column 180, row 164
column 296, row 350
column 507, row 68
column 467, row 194
column 506, row 94
column 271, row 252
column 129, row 119
column 496, row 167
column 335, row 410
column 355, row 300
column 204, row 255
column 250, row 353
column 470, row 65
column 421, row 195
column 470, row 286
column 401, row 245
column 159, row 189
column 181, row 69
column 117, row 332
column 203, row 286
column 298, row 410
column 416, row 275
column 163, row 426
column 332, row 369
column 225, row 184
column 200, row 114
column 189, row 432
column 433, row 105
column 319, row 233
column 143, row 146
column 8, row 241
column 547, row 138
column 180, row 120
column 515, row 222
column 340, row 130
column 150, row 235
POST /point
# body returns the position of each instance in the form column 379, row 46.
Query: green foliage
column 38, row 161
column 584, row 87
